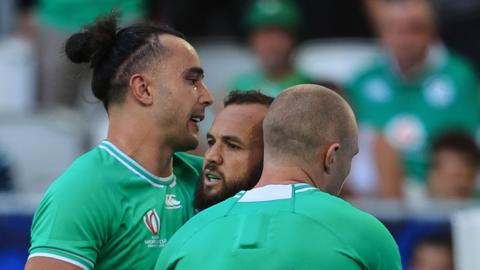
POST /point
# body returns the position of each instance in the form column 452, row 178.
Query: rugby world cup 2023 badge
column 152, row 221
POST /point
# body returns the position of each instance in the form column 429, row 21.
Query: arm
column 45, row 263
column 389, row 169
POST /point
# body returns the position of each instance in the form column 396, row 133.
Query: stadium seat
column 40, row 146
column 335, row 60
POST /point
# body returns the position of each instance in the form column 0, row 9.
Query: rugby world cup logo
column 152, row 221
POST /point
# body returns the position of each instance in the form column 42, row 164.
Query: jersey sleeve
column 72, row 223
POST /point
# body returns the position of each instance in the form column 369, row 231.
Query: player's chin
column 187, row 142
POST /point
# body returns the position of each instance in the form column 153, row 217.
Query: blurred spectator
column 60, row 81
column 416, row 90
column 455, row 158
column 5, row 173
column 433, row 253
column 273, row 26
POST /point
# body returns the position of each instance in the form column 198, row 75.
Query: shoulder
column 87, row 182
column 86, row 172
column 339, row 215
column 362, row 233
column 459, row 65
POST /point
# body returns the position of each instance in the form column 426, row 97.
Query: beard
column 229, row 188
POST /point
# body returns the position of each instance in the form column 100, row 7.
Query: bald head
column 303, row 119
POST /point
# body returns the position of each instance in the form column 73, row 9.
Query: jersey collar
column 136, row 168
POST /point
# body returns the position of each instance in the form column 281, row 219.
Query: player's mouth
column 195, row 119
column 211, row 178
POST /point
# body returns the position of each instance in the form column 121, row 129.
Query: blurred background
column 409, row 68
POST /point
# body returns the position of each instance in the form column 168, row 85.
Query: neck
column 279, row 73
column 283, row 174
column 411, row 71
column 140, row 141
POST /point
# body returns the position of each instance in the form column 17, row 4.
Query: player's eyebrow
column 194, row 72
column 232, row 138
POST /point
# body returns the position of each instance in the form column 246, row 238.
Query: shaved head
column 304, row 122
column 303, row 118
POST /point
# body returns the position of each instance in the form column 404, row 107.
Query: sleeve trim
column 61, row 258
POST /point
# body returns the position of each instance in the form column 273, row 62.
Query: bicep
column 44, row 263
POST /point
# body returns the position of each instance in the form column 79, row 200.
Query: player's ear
column 140, row 88
column 331, row 157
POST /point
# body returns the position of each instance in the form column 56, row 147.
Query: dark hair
column 115, row 54
column 247, row 97
column 459, row 142
column 436, row 239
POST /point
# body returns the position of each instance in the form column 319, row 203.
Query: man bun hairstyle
column 115, row 54
column 95, row 39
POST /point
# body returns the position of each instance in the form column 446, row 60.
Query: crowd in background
column 416, row 99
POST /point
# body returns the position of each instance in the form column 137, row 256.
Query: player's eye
column 210, row 142
column 194, row 81
column 232, row 146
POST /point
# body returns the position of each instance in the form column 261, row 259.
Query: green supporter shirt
column 72, row 15
column 282, row 227
column 107, row 212
column 257, row 80
column 411, row 114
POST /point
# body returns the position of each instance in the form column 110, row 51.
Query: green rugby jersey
column 281, row 227
column 107, row 212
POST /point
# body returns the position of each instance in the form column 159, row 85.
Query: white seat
column 41, row 146
column 18, row 68
column 335, row 60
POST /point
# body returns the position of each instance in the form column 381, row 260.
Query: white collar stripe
column 268, row 193
column 304, row 189
column 130, row 167
column 133, row 163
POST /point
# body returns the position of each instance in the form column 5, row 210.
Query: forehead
column 407, row 13
column 239, row 120
column 179, row 52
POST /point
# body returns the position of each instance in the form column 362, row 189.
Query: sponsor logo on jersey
column 152, row 221
column 171, row 202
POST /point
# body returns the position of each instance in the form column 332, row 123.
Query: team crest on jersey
column 152, row 221
column 171, row 202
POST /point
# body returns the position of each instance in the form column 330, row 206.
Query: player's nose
column 214, row 155
column 205, row 98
